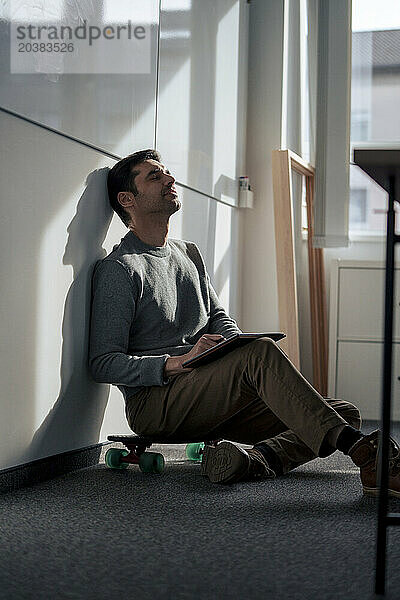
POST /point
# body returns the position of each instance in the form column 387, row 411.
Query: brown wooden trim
column 283, row 163
column 285, row 258
column 318, row 306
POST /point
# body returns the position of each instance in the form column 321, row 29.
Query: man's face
column 155, row 187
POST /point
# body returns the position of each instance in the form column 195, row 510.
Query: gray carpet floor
column 101, row 534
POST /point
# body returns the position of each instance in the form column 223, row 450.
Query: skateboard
column 149, row 462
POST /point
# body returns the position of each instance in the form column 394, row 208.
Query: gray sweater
column 149, row 303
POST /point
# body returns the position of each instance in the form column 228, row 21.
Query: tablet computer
column 222, row 348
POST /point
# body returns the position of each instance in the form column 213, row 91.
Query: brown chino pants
column 252, row 394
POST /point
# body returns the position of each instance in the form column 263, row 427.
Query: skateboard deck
column 149, row 462
column 138, row 439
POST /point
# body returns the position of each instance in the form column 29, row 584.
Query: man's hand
column 173, row 364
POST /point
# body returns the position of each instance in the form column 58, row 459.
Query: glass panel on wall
column 200, row 110
column 375, row 97
column 87, row 69
column 211, row 226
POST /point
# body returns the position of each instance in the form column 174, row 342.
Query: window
column 358, row 207
column 375, row 96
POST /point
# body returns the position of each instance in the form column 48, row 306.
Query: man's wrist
column 171, row 366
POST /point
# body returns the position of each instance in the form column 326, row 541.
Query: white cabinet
column 356, row 336
column 361, row 298
column 359, row 377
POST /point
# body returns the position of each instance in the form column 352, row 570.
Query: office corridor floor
column 98, row 534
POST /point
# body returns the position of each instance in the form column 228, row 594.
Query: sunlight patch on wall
column 223, row 253
column 54, row 281
column 119, row 12
column 226, row 113
column 174, row 121
column 177, row 5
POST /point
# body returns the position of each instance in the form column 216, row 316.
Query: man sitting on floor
column 154, row 308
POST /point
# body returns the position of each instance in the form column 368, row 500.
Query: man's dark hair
column 121, row 178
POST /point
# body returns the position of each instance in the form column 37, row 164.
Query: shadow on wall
column 77, row 415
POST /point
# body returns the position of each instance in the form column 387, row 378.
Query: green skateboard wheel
column 194, row 451
column 151, row 462
column 113, row 458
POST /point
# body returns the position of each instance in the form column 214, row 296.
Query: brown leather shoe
column 364, row 455
column 228, row 463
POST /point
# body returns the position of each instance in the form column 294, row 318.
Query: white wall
column 52, row 230
column 202, row 75
column 54, row 227
column 56, row 222
column 259, row 302
column 112, row 111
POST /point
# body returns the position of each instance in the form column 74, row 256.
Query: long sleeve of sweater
column 114, row 302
